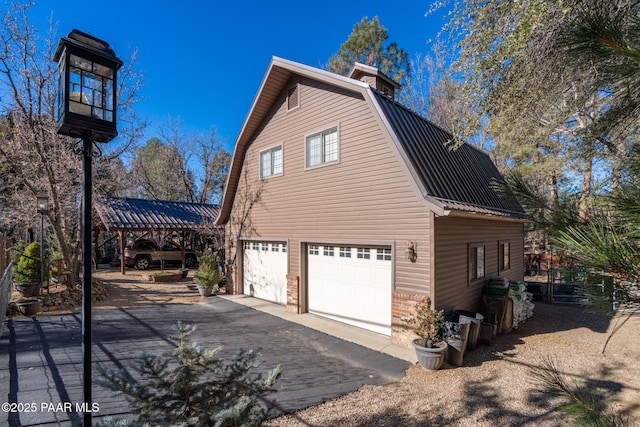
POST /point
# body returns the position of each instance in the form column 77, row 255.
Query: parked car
column 145, row 253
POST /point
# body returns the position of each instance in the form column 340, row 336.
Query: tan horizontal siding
column 452, row 237
column 368, row 197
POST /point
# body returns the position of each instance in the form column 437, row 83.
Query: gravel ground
column 493, row 388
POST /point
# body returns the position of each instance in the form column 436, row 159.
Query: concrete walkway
column 41, row 360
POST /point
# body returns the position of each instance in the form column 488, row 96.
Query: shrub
column 208, row 275
column 28, row 268
column 190, row 386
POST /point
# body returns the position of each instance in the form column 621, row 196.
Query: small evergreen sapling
column 190, row 386
column 28, row 268
column 208, row 275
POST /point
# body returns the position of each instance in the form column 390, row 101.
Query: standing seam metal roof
column 140, row 214
column 460, row 178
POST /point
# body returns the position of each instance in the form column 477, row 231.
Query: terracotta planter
column 28, row 289
column 28, row 307
column 431, row 359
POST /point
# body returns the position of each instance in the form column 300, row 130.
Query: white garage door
column 351, row 285
column 265, row 270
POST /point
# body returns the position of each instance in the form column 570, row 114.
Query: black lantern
column 87, row 81
column 42, row 203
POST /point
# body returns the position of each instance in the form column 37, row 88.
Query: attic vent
column 293, row 98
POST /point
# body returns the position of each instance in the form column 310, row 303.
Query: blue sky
column 203, row 61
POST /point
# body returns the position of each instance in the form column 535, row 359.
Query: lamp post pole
column 42, row 206
column 86, row 109
column 86, row 278
column 41, row 249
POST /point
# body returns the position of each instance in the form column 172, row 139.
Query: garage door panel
column 265, row 271
column 355, row 290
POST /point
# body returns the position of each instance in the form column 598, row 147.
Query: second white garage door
column 351, row 285
column 265, row 270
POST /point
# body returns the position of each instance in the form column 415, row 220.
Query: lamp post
column 86, row 109
column 42, row 203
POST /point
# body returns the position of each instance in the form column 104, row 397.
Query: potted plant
column 26, row 277
column 208, row 276
column 28, row 307
column 427, row 323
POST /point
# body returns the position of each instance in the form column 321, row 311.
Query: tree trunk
column 585, row 193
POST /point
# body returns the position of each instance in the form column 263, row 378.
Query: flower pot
column 28, row 289
column 458, row 345
column 28, row 307
column 205, row 292
column 476, row 322
column 431, row 359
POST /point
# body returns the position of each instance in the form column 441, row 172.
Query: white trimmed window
column 255, row 246
column 364, row 253
column 271, row 162
column 345, row 252
column 328, row 251
column 383, row 255
column 265, row 247
column 313, row 250
column 476, row 261
column 322, row 148
column 284, row 247
column 275, row 247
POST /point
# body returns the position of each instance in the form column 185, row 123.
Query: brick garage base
column 403, row 307
column 293, row 293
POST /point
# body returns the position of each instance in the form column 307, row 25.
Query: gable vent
column 293, row 98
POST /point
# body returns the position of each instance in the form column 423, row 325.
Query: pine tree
column 366, row 45
column 191, row 386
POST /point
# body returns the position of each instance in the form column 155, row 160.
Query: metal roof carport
column 129, row 215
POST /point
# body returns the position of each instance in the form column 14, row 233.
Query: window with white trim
column 364, row 253
column 284, row 247
column 255, row 246
column 271, row 162
column 314, row 250
column 345, row 252
column 383, row 254
column 322, row 148
column 265, row 247
column 275, row 247
column 504, row 255
column 328, row 251
column 476, row 261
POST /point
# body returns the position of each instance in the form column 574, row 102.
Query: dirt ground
column 494, row 387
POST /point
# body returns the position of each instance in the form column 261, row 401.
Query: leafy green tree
column 191, row 386
column 159, row 172
column 541, row 111
column 367, row 44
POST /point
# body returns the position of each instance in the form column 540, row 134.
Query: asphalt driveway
column 41, row 358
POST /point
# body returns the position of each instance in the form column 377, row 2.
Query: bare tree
column 35, row 159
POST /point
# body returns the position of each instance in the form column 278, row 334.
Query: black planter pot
column 28, row 289
column 28, row 307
